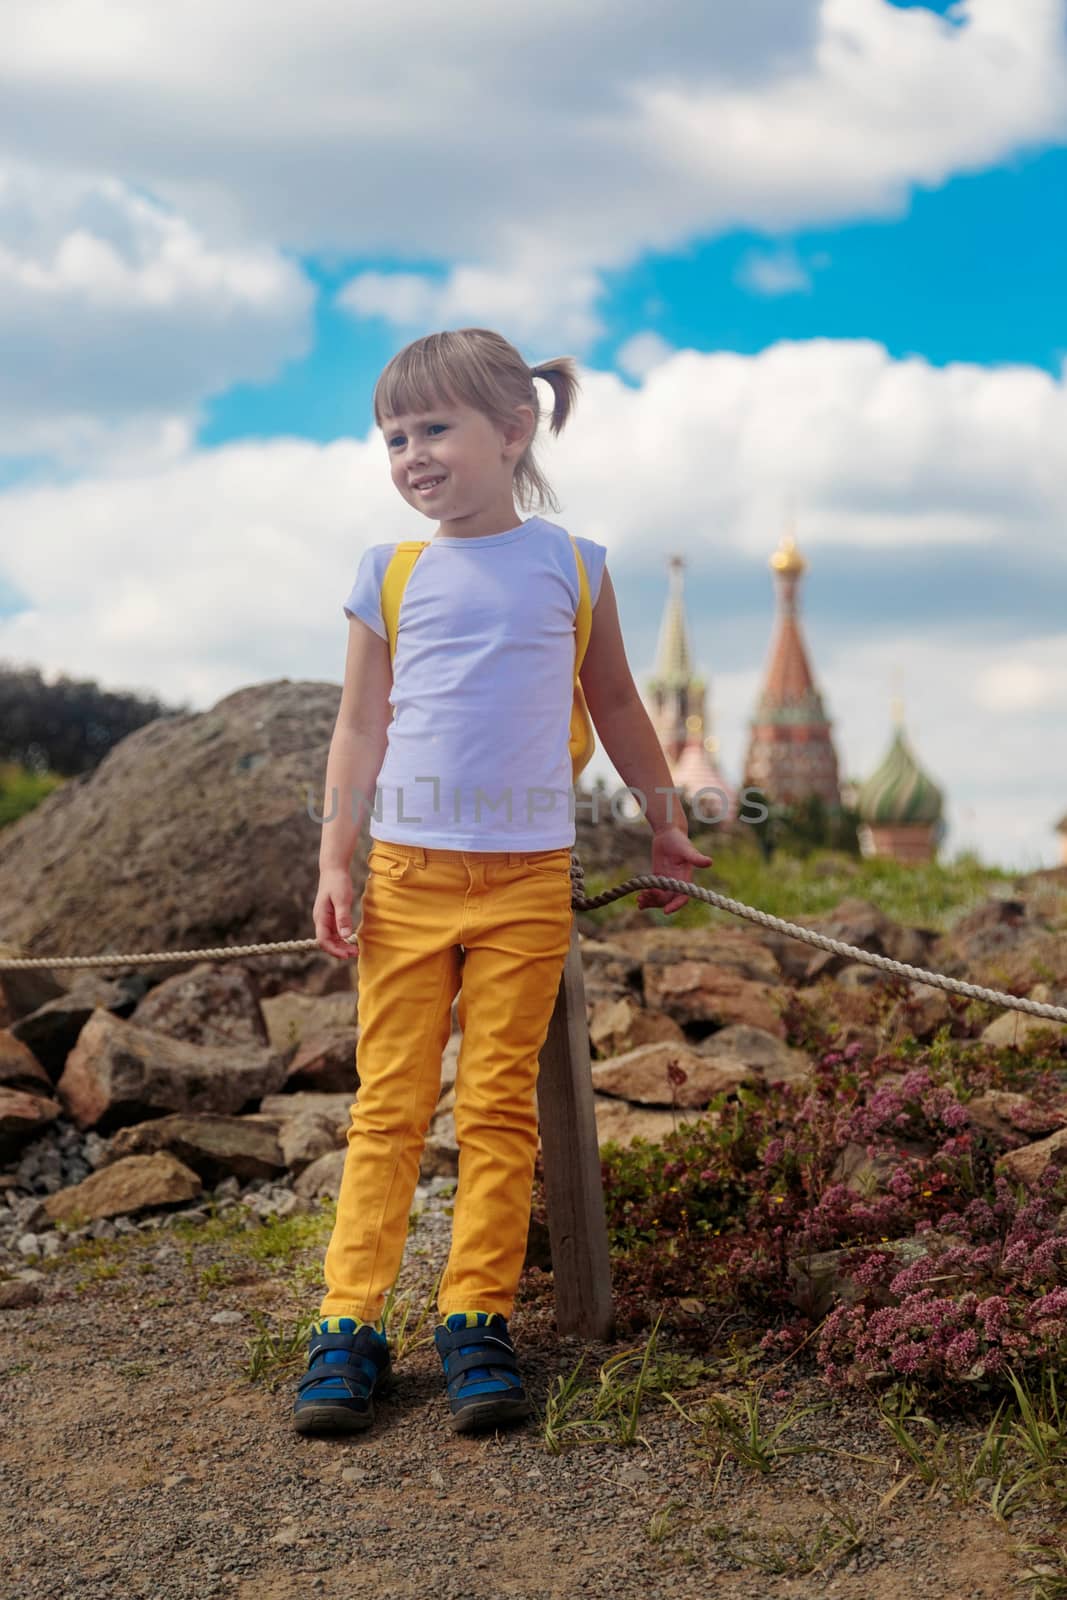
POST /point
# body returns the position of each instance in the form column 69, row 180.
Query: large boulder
column 194, row 830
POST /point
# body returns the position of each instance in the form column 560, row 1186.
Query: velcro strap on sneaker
column 359, row 1379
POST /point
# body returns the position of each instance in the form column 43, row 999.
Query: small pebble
column 227, row 1318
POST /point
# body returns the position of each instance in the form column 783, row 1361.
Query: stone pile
column 123, row 1101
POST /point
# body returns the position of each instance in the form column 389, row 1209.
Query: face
column 457, row 444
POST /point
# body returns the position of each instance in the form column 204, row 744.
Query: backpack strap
column 395, row 582
column 582, row 738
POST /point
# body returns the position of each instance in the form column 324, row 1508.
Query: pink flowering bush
column 964, row 1313
column 954, row 1276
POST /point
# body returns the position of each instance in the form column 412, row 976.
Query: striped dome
column 899, row 792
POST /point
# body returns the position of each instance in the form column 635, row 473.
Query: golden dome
column 787, row 558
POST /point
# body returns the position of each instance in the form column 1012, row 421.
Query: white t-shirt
column 483, row 683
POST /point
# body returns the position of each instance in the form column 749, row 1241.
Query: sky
column 809, row 255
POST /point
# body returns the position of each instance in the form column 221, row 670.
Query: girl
column 464, row 734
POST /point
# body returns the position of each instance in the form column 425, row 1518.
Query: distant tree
column 807, row 825
column 66, row 727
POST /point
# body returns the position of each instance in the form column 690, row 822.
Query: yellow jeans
column 511, row 913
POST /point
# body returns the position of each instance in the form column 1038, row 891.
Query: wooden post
column 577, row 1227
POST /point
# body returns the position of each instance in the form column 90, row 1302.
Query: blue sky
column 973, row 271
column 808, row 254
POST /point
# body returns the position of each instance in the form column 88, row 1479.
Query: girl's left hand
column 673, row 856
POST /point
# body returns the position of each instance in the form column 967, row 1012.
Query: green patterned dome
column 899, row 792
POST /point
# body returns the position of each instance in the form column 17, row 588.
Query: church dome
column 899, row 792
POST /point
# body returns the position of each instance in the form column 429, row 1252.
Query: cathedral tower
column 791, row 755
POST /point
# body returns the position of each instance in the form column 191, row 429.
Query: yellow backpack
column 582, row 740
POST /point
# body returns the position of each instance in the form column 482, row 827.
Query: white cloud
column 641, row 352
column 777, row 274
column 158, row 167
column 1033, row 677
column 117, row 317
column 534, row 301
column 229, row 566
column 665, row 124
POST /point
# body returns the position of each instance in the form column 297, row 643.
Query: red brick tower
column 791, row 755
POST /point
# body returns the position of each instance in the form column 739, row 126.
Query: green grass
column 21, row 790
column 930, row 895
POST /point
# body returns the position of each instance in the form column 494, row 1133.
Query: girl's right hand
column 333, row 914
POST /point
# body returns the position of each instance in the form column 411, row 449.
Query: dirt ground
column 138, row 1460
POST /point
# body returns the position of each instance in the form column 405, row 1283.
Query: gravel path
column 136, row 1460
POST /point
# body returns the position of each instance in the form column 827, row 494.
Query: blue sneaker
column 481, row 1373
column 348, row 1365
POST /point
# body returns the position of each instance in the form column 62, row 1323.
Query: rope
column 822, row 941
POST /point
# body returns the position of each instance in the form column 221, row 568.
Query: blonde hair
column 479, row 368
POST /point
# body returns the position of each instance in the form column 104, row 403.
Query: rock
column 130, row 1185
column 762, row 1052
column 863, row 925
column 609, row 972
column 698, row 991
column 325, row 1062
column 1010, row 1118
column 450, row 1061
column 22, row 1117
column 731, row 947
column 14, row 1295
column 119, row 1073
column 866, row 1175
column 305, row 1138
column 334, row 1109
column 616, row 1026
column 858, row 975
column 1027, row 1165
column 227, row 1319
column 538, row 1246
column 440, row 1154
column 290, row 1018
column 23, row 990
column 1014, row 1029
column 213, row 1146
column 208, row 1005
column 322, row 1177
column 923, row 1010
column 618, row 1122
column 642, row 1076
column 19, row 1067
column 51, row 1031
column 989, row 930
column 824, row 1278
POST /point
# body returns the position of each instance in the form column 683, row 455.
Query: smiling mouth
column 428, row 486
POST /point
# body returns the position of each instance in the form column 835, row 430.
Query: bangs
column 417, row 380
